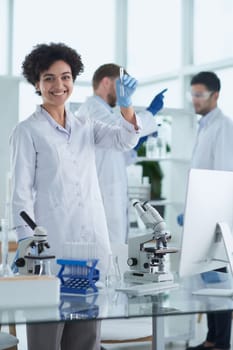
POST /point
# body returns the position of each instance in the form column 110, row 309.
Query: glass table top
column 110, row 304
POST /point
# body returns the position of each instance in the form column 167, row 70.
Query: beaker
column 113, row 275
column 5, row 269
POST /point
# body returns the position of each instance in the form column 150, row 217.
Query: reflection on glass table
column 109, row 304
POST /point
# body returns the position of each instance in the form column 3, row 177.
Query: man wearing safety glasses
column 213, row 150
column 214, row 143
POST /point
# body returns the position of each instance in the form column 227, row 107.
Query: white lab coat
column 54, row 178
column 214, row 150
column 111, row 166
column 214, row 143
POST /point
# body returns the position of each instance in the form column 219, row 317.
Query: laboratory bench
column 110, row 304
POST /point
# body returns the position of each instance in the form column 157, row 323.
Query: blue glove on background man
column 155, row 106
column 157, row 103
column 143, row 139
column 129, row 86
column 180, row 219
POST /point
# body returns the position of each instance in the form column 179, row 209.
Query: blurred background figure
column 212, row 150
column 111, row 164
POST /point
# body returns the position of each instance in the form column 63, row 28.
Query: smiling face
column 55, row 84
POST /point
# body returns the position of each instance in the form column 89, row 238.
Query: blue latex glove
column 140, row 142
column 157, row 103
column 129, row 86
column 143, row 139
column 180, row 219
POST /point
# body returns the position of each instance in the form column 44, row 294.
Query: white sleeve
column 23, row 164
column 223, row 155
column 148, row 123
column 122, row 136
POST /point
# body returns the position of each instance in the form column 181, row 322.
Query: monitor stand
column 222, row 231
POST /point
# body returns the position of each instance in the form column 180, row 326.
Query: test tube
column 67, row 250
column 122, row 92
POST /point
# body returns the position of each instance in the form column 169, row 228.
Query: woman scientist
column 54, row 177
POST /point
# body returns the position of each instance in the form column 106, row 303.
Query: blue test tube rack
column 78, row 276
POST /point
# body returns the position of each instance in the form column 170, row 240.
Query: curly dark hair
column 44, row 55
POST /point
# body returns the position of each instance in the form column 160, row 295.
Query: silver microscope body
column 32, row 257
column 146, row 252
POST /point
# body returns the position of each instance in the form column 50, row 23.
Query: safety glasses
column 199, row 95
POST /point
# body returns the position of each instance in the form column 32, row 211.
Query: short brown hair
column 110, row 70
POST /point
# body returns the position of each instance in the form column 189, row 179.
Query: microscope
column 146, row 252
column 32, row 258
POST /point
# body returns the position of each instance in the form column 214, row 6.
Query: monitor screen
column 209, row 200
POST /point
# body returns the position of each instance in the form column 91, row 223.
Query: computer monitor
column 209, row 204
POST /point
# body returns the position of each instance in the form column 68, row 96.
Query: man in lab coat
column 111, row 164
column 213, row 150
